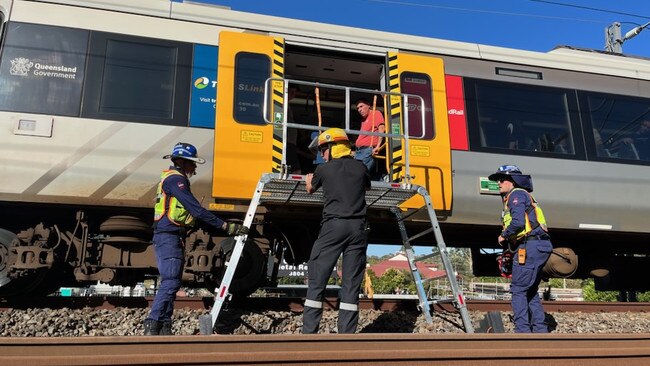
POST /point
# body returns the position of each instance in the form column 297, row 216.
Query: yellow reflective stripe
column 507, row 217
column 175, row 211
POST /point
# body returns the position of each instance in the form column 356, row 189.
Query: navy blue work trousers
column 347, row 236
column 169, row 255
column 526, row 305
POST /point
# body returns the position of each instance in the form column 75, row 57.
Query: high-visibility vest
column 540, row 219
column 176, row 213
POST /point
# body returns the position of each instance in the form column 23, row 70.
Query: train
column 95, row 93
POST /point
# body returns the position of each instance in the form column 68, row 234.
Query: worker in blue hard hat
column 344, row 181
column 176, row 210
column 525, row 234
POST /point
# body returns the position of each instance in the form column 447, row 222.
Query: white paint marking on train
column 595, row 226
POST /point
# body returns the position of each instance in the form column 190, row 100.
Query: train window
column 526, row 119
column 138, row 79
column 620, row 126
column 251, row 71
column 42, row 69
column 418, row 84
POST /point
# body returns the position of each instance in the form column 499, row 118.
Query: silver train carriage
column 95, row 93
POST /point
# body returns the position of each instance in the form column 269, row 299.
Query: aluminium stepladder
column 426, row 304
column 282, row 189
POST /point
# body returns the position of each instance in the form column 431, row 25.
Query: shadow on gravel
column 551, row 322
column 392, row 322
column 238, row 321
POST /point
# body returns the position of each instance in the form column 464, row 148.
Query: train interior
column 344, row 69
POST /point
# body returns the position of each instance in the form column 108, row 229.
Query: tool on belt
column 504, row 260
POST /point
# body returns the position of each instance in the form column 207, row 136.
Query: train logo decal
column 201, row 83
column 20, row 66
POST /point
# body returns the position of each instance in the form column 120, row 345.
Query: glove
column 234, row 229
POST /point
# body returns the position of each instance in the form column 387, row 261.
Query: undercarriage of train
column 42, row 258
column 117, row 250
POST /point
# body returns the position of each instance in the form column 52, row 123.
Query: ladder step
column 417, row 236
column 444, row 301
column 420, row 259
column 413, row 212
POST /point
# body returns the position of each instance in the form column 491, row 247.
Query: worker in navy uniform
column 176, row 211
column 344, row 181
column 525, row 233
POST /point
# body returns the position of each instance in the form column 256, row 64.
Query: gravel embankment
column 127, row 321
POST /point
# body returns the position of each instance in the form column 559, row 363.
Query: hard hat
column 514, row 173
column 186, row 151
column 332, row 135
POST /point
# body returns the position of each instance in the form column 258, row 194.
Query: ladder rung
column 443, row 301
column 416, row 236
column 419, row 259
column 402, row 218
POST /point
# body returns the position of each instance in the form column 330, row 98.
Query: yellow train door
column 429, row 152
column 245, row 145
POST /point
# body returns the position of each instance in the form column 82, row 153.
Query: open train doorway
column 325, row 66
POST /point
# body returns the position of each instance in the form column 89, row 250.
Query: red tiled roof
column 426, row 270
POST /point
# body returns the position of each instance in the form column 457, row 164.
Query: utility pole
column 613, row 39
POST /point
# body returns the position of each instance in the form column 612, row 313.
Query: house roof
column 400, row 262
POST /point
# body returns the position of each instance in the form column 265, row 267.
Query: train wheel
column 6, row 237
column 250, row 269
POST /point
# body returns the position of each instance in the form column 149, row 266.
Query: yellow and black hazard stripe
column 278, row 102
column 395, row 156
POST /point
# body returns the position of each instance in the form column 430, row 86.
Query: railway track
column 358, row 349
column 295, row 304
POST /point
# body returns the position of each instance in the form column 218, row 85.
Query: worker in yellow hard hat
column 344, row 181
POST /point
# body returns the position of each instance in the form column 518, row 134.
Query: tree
column 392, row 279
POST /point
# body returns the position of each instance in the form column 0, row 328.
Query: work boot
column 152, row 327
column 166, row 328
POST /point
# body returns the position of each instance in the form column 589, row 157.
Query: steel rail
column 295, row 304
column 358, row 349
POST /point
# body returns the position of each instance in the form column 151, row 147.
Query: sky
column 534, row 25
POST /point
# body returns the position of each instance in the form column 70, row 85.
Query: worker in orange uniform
column 344, row 181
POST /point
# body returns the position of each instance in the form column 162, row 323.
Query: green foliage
column 589, row 293
column 563, row 283
column 643, row 296
column 487, row 279
column 391, row 281
column 334, row 281
column 292, row 280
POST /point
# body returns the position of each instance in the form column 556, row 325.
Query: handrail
column 268, row 86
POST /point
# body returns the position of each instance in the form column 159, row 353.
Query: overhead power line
column 496, row 12
column 591, row 9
